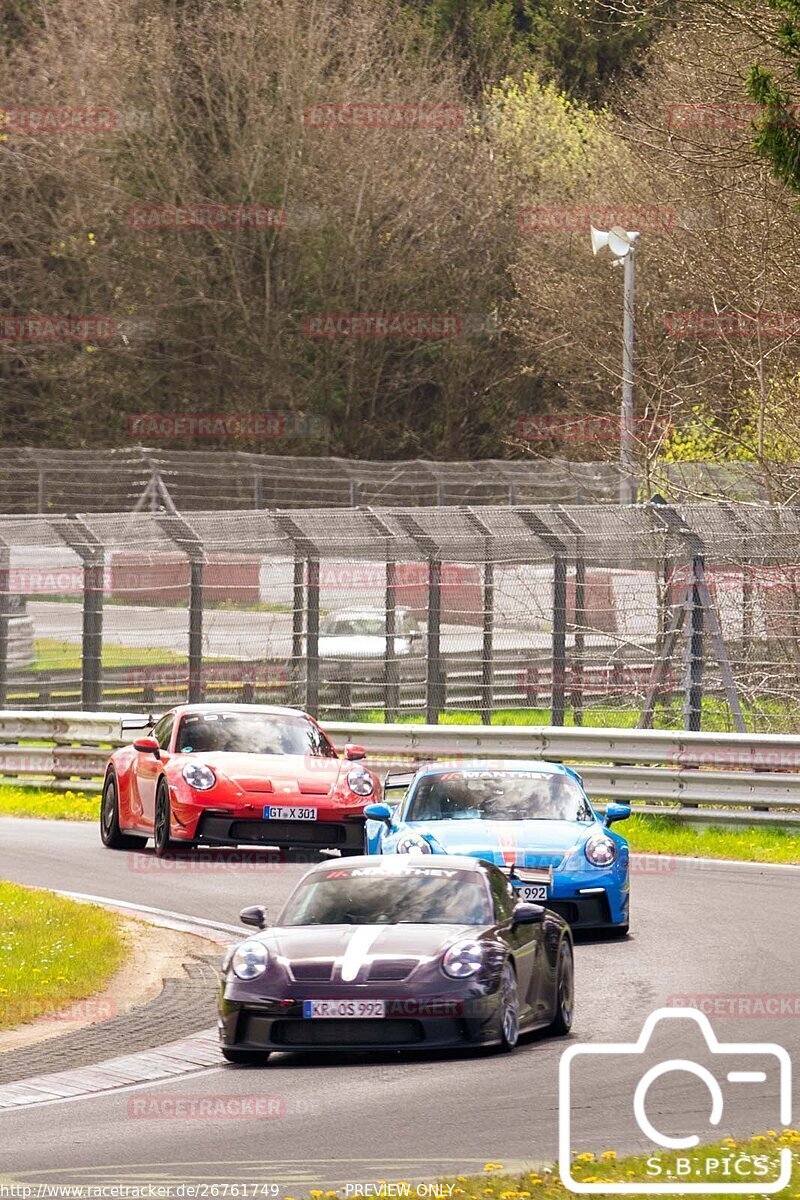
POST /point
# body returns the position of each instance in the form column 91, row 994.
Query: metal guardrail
column 695, row 776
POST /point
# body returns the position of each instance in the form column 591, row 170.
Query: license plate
column 285, row 812
column 532, row 893
column 344, row 1008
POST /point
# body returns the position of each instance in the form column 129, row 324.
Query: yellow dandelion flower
column 493, row 1166
column 610, row 1155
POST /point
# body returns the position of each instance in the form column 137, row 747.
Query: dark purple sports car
column 398, row 952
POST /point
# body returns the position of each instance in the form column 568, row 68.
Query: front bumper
column 280, row 1026
column 589, row 905
column 216, row 830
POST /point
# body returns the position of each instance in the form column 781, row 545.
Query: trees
column 777, row 136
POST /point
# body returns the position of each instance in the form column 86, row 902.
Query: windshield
column 251, row 733
column 498, row 796
column 353, row 627
column 370, row 896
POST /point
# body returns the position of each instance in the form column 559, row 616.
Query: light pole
column 622, row 244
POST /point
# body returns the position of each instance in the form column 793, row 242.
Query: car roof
column 477, row 765
column 283, row 710
column 364, row 612
column 396, row 863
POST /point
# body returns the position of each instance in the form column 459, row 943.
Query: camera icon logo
column 737, row 1061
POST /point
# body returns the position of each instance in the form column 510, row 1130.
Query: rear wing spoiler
column 397, row 782
column 134, row 721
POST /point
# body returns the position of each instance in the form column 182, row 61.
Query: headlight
column 199, row 777
column 359, row 781
column 463, row 959
column 412, row 843
column 600, row 850
column 250, row 960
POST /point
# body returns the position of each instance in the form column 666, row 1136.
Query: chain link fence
column 150, row 479
column 684, row 616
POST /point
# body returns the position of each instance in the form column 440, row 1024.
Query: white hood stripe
column 358, row 949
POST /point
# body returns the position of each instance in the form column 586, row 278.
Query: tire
column 565, row 991
column 246, row 1058
column 509, row 1008
column 162, row 841
column 110, row 833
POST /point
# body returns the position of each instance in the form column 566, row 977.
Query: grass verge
column 753, row 1156
column 55, row 806
column 747, row 843
column 53, row 952
column 54, row 655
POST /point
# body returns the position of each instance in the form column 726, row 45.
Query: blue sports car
column 532, row 818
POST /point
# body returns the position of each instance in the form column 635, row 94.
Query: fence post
column 181, row 533
column 558, row 700
column 312, row 637
column 298, row 624
column 391, row 680
column 5, row 612
column 559, row 637
column 80, row 538
column 579, row 623
column 487, row 652
column 391, row 671
column 306, row 564
column 436, row 683
column 693, row 706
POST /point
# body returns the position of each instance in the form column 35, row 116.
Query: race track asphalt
column 724, row 931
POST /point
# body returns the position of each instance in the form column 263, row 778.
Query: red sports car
column 234, row 774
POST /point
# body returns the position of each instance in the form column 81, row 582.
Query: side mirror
column 378, row 812
column 527, row 914
column 147, row 745
column 255, row 915
column 354, row 753
column 616, row 812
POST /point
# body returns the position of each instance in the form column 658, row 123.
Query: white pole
column 627, row 484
